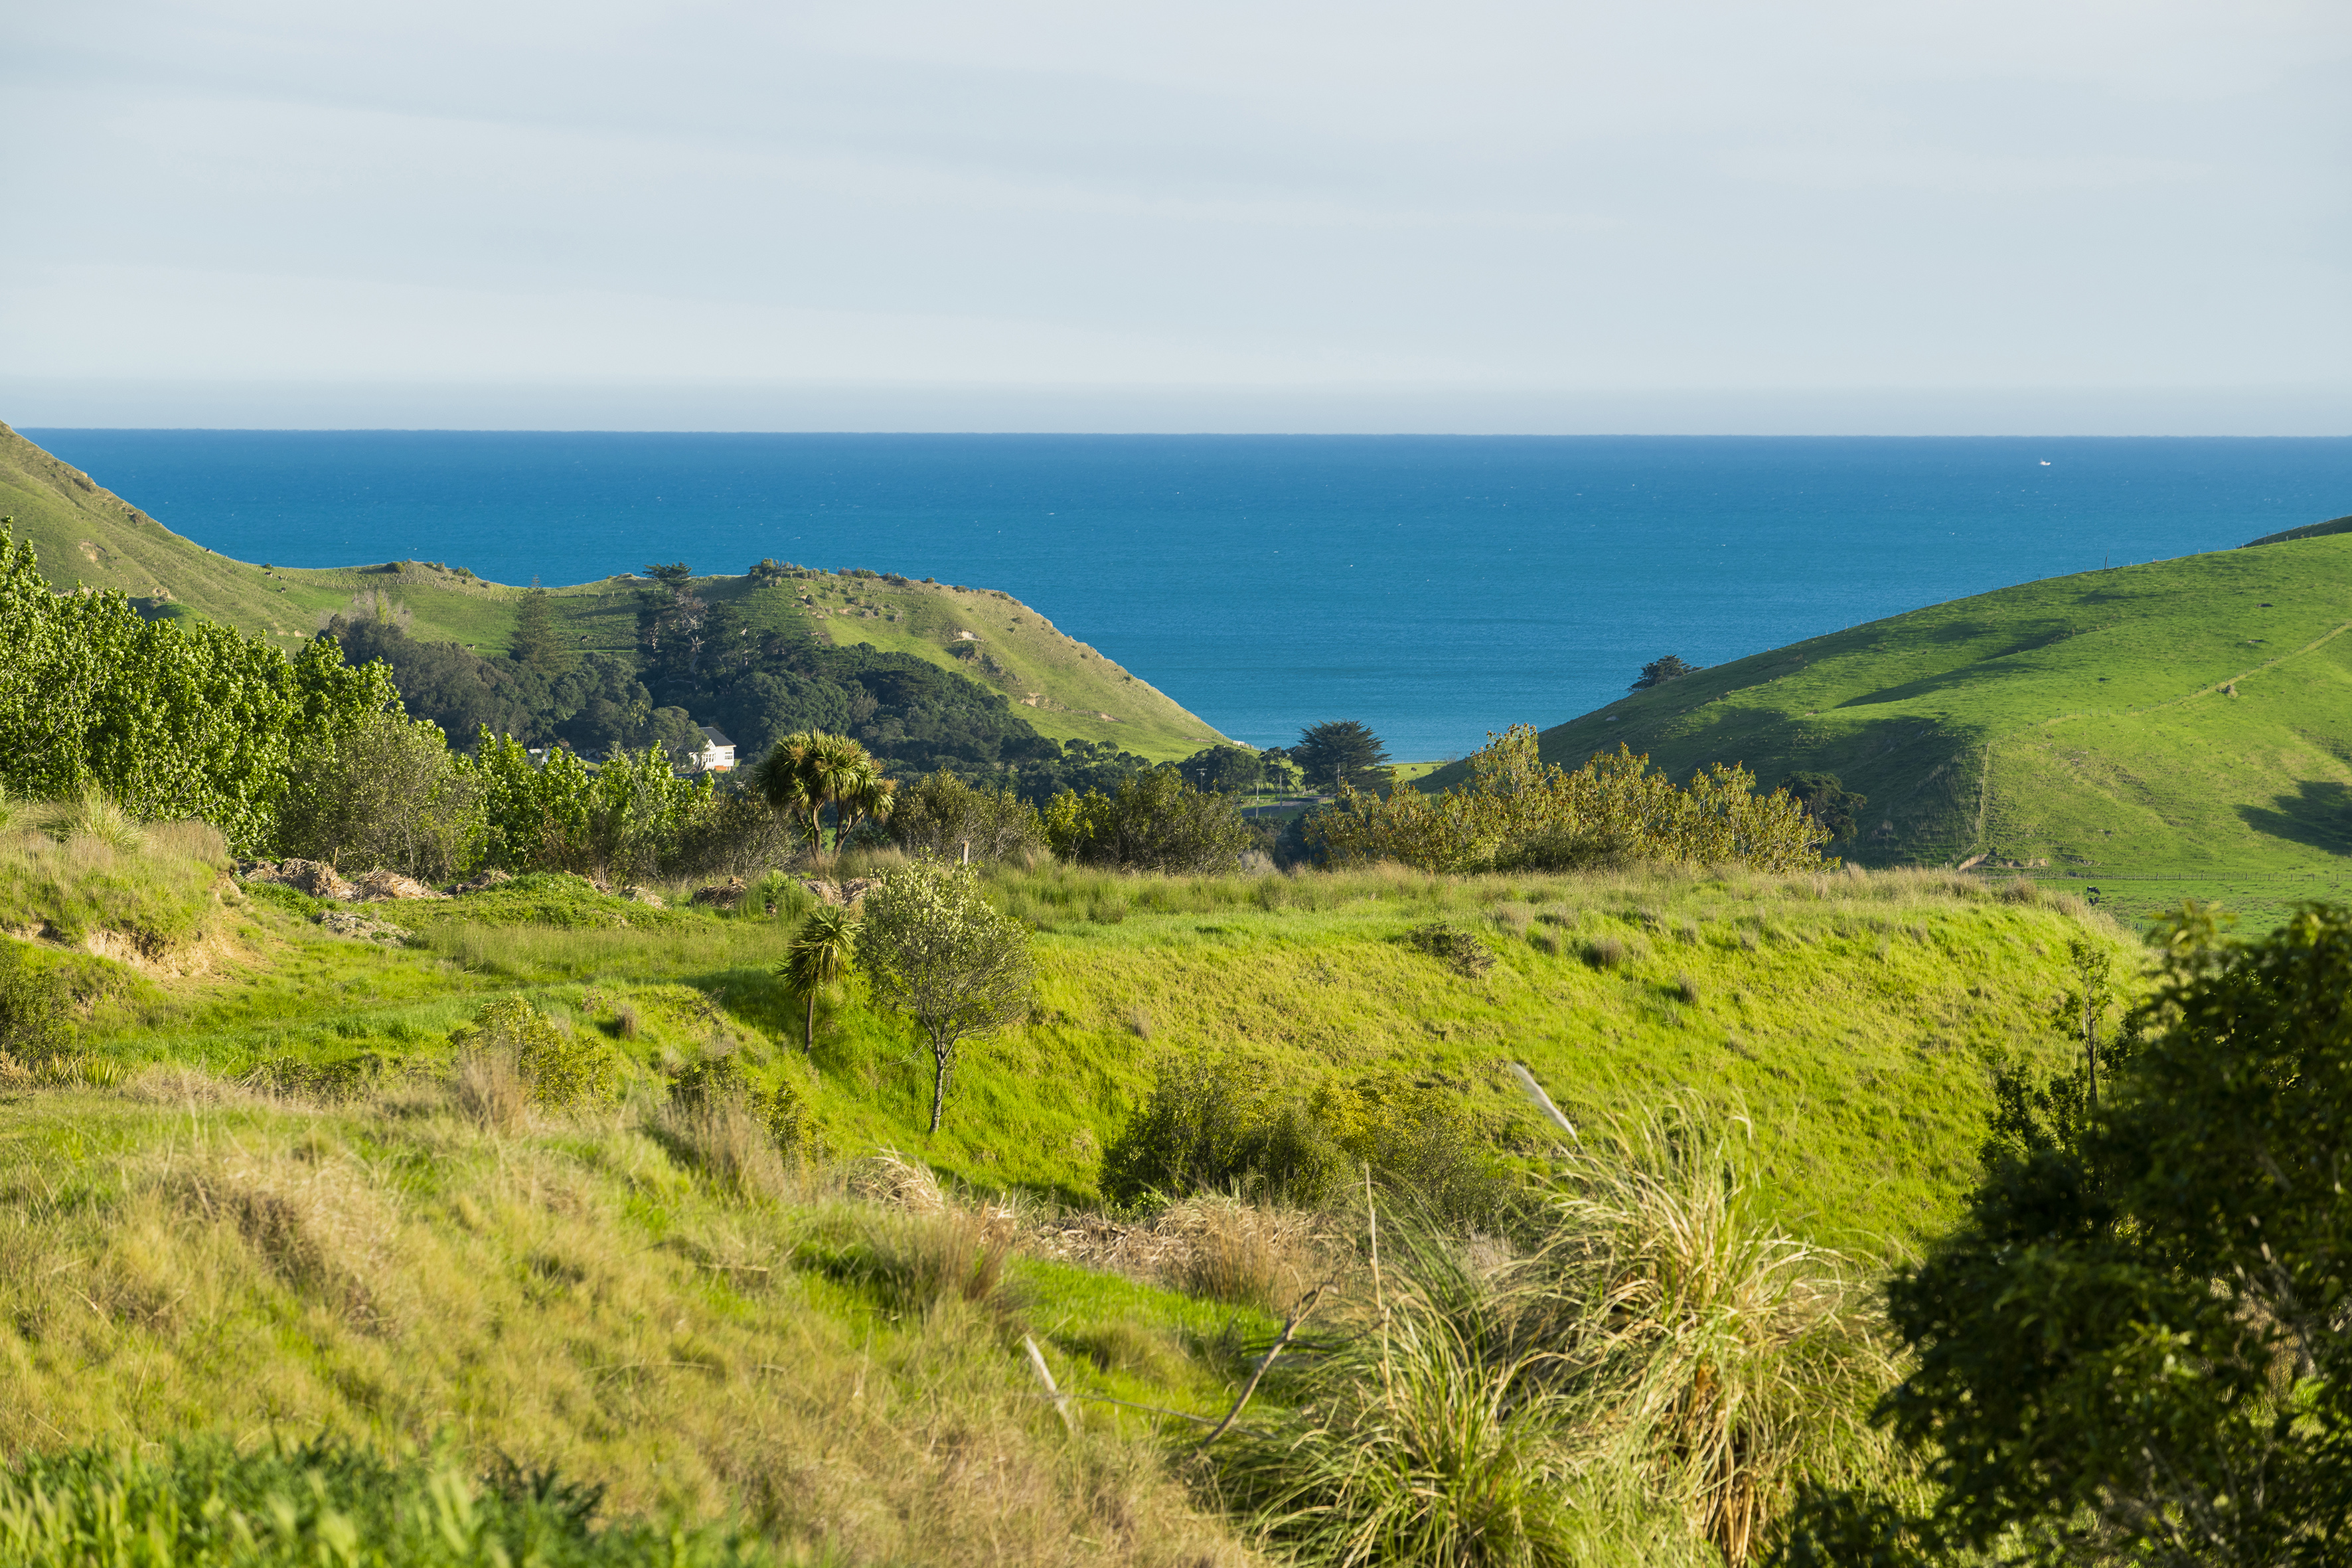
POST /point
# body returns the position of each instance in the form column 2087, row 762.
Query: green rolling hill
column 2179, row 728
column 1068, row 690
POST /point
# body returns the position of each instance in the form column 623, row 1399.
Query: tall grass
column 1646, row 1384
column 1717, row 1357
column 570, row 1295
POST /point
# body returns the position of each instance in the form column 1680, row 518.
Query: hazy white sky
column 2051, row 216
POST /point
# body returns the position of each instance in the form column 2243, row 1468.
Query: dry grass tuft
column 720, row 1136
column 490, row 1090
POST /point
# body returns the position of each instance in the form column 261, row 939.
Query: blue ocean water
column 1433, row 588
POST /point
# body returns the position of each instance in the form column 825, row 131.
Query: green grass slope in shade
column 1064, row 689
column 2186, row 721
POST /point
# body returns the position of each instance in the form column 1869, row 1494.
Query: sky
column 2129, row 216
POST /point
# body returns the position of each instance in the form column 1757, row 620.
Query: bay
column 1433, row 588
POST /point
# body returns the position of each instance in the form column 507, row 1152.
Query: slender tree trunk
column 939, row 1086
column 808, row 1036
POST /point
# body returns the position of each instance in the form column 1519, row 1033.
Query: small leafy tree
column 1658, row 672
column 822, row 952
column 934, row 949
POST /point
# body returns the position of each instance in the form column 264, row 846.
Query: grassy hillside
column 264, row 1198
column 88, row 534
column 1067, row 690
column 2183, row 727
column 1851, row 1019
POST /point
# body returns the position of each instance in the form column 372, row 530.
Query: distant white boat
column 2045, row 462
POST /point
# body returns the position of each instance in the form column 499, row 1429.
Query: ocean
column 1434, row 588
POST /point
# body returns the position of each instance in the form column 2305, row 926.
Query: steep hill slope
column 85, row 533
column 2188, row 720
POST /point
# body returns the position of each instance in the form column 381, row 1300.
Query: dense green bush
column 386, row 792
column 172, row 719
column 565, row 1068
column 2135, row 1347
column 1156, row 822
column 1231, row 1124
column 623, row 820
column 1519, row 813
column 199, row 1503
column 34, row 1004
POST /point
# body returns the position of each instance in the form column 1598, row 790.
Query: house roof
column 714, row 737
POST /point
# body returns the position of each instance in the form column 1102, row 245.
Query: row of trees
column 1521, row 814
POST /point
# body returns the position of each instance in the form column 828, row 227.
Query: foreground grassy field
column 1067, row 690
column 265, row 1198
column 2187, row 720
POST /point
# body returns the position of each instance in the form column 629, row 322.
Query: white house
column 718, row 753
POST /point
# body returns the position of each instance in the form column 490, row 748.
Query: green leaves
column 2137, row 1344
column 934, row 949
column 175, row 718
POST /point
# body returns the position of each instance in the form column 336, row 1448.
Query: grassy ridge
column 2188, row 719
column 1065, row 689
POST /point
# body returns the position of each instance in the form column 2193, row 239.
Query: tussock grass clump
column 721, row 1136
column 489, row 1089
column 1707, row 1351
column 1606, row 953
column 1648, row 1383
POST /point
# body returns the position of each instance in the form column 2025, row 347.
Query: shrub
column 1457, row 949
column 736, row 835
column 563, row 1068
column 385, row 793
column 1156, row 822
column 1232, row 1125
column 940, row 814
column 34, row 1009
column 1518, row 813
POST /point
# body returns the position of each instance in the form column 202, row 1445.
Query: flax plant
column 1704, row 1351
